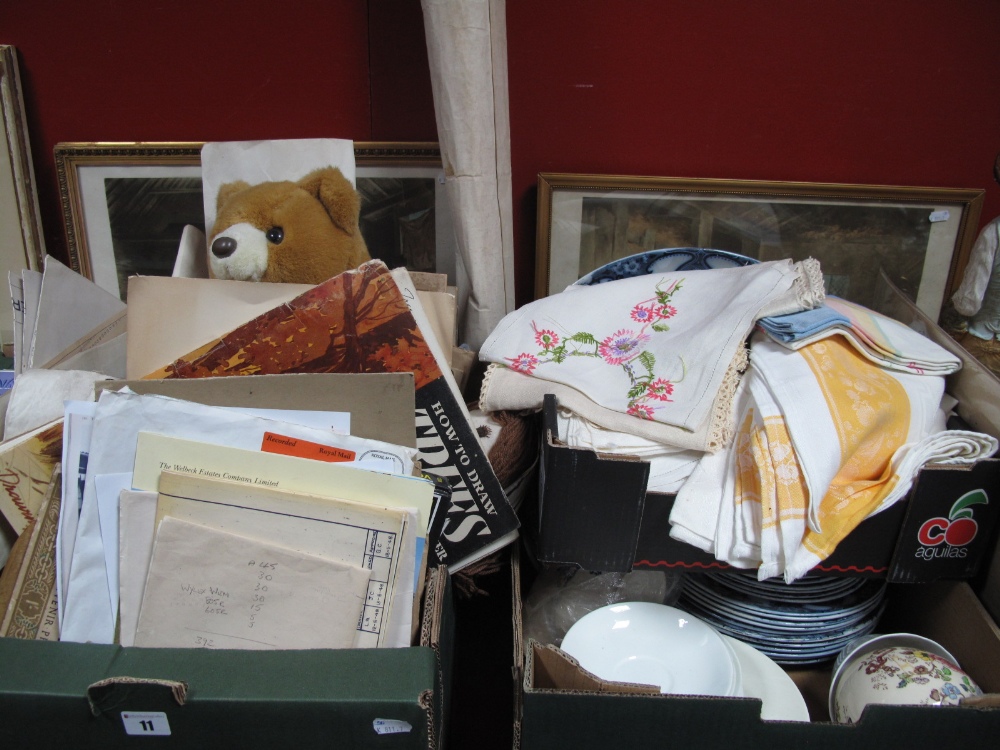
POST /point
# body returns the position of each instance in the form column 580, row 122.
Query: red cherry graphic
column 961, row 531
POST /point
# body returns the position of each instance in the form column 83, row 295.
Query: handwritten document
column 347, row 532
column 210, row 589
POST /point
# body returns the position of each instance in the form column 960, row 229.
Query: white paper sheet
column 31, row 286
column 39, row 396
column 266, row 161
column 78, row 424
column 70, row 307
column 108, row 487
column 192, row 255
column 338, row 422
column 108, row 357
column 120, row 416
column 16, row 286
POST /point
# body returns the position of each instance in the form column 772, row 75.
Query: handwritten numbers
column 267, row 571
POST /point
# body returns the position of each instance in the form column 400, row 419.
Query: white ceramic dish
column 654, row 644
column 763, row 678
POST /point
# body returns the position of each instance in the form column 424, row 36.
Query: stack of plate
column 805, row 622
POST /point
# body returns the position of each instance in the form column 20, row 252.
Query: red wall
column 197, row 70
column 892, row 92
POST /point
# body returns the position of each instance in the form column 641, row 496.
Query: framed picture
column 21, row 241
column 920, row 237
column 125, row 206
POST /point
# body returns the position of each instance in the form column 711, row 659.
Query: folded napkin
column 826, row 438
column 799, row 325
column 881, row 339
column 661, row 348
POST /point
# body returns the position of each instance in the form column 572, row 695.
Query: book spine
column 477, row 512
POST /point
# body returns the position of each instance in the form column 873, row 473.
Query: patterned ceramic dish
column 662, row 261
column 897, row 675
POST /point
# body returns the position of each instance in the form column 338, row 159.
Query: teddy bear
column 297, row 232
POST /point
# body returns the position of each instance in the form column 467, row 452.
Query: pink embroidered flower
column 546, row 339
column 523, row 362
column 666, row 311
column 660, row 389
column 621, row 346
column 643, row 314
column 643, row 411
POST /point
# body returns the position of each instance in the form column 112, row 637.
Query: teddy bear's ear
column 337, row 195
column 226, row 191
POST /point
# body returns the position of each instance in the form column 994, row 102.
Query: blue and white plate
column 808, row 621
column 663, row 261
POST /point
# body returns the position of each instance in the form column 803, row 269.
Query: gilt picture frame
column 125, row 205
column 920, row 236
column 22, row 242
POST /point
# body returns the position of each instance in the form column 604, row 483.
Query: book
column 26, row 465
column 360, row 321
column 28, row 591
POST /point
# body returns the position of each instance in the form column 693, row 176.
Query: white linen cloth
column 661, row 348
column 825, row 438
column 668, row 466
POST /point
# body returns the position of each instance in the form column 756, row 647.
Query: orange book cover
column 358, row 322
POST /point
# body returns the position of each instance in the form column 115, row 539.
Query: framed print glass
column 920, row 236
column 125, row 206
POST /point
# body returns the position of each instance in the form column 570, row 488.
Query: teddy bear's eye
column 275, row 235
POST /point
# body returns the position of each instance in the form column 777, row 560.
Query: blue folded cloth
column 795, row 326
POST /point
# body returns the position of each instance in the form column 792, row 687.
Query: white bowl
column 654, row 644
column 898, row 675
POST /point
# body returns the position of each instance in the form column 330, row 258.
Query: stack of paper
column 298, row 509
column 128, row 447
column 64, row 321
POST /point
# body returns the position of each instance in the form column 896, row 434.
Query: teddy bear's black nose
column 223, row 247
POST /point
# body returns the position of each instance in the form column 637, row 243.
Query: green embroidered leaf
column 648, row 361
column 660, row 327
column 583, row 337
column 636, row 391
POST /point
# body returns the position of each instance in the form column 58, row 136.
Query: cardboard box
column 593, row 510
column 56, row 694
column 103, row 696
column 562, row 706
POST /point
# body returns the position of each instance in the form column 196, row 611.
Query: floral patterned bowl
column 898, row 675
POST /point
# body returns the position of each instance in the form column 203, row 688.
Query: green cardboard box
column 55, row 694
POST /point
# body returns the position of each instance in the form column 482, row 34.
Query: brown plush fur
column 319, row 216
